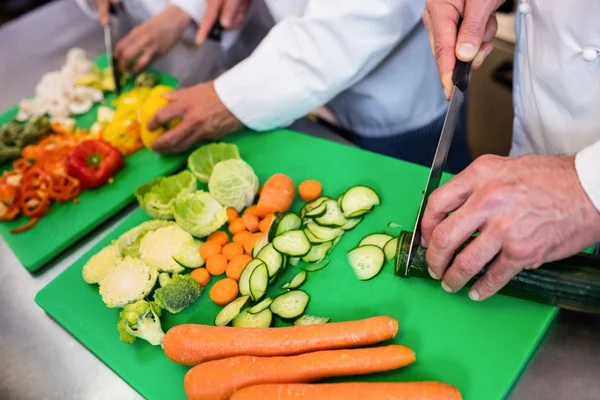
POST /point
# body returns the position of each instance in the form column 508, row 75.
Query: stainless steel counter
column 41, row 361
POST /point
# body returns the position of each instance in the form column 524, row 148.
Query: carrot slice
column 236, row 226
column 251, row 241
column 277, row 195
column 232, row 214
column 224, row 291
column 232, row 250
column 241, row 237
column 220, row 237
column 208, row 249
column 265, row 224
column 310, row 190
column 216, row 264
column 250, row 210
column 251, row 222
column 201, row 275
column 237, row 265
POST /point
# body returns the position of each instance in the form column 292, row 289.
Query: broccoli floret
column 141, row 320
column 128, row 281
column 180, row 292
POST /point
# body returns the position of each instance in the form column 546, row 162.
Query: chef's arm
column 304, row 62
column 194, row 8
column 587, row 163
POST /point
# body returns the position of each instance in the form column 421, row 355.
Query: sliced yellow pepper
column 153, row 103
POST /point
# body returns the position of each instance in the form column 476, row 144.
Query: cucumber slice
column 245, row 319
column 317, row 252
column 376, row 239
column 390, row 249
column 292, row 243
column 315, row 267
column 261, row 306
column 290, row 305
column 189, row 255
column 358, row 200
column 284, row 222
column 312, row 238
column 318, row 211
column 366, row 261
column 296, row 281
column 259, row 281
column 333, row 215
column 244, row 282
column 310, row 320
column 334, row 243
column 393, row 225
column 351, row 223
column 230, row 311
column 339, row 200
column 310, row 207
column 294, row 261
column 323, row 232
column 272, row 259
column 259, row 245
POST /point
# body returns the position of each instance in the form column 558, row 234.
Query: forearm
column 587, row 163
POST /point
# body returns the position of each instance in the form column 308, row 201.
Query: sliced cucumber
column 334, row 243
column 244, row 282
column 310, row 320
column 333, row 215
column 351, row 223
column 290, row 305
column 376, row 239
column 230, row 311
column 339, row 200
column 189, row 255
column 312, row 238
column 294, row 261
column 315, row 267
column 272, row 259
column 284, row 222
column 259, row 245
column 390, row 249
column 318, row 211
column 323, row 232
column 366, row 261
column 296, row 281
column 292, row 243
column 245, row 319
column 358, row 200
column 261, row 306
column 393, row 225
column 317, row 252
column 313, row 205
column 259, row 282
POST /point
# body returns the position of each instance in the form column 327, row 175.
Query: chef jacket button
column 590, row 54
column 524, row 8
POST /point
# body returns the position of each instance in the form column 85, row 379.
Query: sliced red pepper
column 65, row 188
column 34, row 203
column 27, row 226
column 94, row 162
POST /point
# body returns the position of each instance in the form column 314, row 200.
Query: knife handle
column 462, row 70
column 216, row 31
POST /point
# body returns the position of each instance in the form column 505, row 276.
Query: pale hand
column 203, row 118
column 103, row 13
column 473, row 42
column 230, row 13
column 528, row 211
column 151, row 39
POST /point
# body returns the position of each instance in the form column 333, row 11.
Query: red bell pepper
column 94, row 162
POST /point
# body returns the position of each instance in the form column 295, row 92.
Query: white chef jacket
column 557, row 85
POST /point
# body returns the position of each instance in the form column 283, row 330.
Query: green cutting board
column 479, row 347
column 66, row 223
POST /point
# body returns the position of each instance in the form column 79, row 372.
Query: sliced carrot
column 251, row 222
column 236, row 226
column 277, row 195
column 220, row 237
column 310, row 190
column 224, row 291
column 207, row 249
column 201, row 275
column 251, row 241
column 241, row 237
column 216, row 264
column 232, row 214
column 350, row 391
column 219, row 379
column 237, row 265
column 191, row 344
column 265, row 224
column 232, row 250
column 250, row 210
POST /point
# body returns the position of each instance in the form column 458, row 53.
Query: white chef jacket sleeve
column 304, row 62
column 88, row 7
column 194, row 8
column 587, row 163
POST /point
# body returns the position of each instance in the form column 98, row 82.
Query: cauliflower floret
column 128, row 281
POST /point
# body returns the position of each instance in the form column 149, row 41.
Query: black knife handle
column 216, row 31
column 462, row 70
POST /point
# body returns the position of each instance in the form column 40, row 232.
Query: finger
column 490, row 29
column 186, row 142
column 427, row 23
column 102, row 6
column 497, row 275
column 448, row 235
column 230, row 9
column 471, row 260
column 470, row 36
column 165, row 115
column 170, row 141
column 484, row 51
column 210, row 17
column 143, row 61
column 130, row 47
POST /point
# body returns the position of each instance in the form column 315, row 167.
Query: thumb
column 472, row 29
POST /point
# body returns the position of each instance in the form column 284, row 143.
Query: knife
column 109, row 50
column 460, row 79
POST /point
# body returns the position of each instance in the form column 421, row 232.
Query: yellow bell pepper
column 153, row 103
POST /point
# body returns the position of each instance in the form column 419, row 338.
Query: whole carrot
column 219, row 379
column 350, row 391
column 191, row 344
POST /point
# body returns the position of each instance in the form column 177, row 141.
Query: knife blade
column 113, row 10
column 460, row 79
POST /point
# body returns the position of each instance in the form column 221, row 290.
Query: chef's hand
column 103, row 13
column 151, row 39
column 474, row 41
column 528, row 211
column 231, row 14
column 203, row 117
